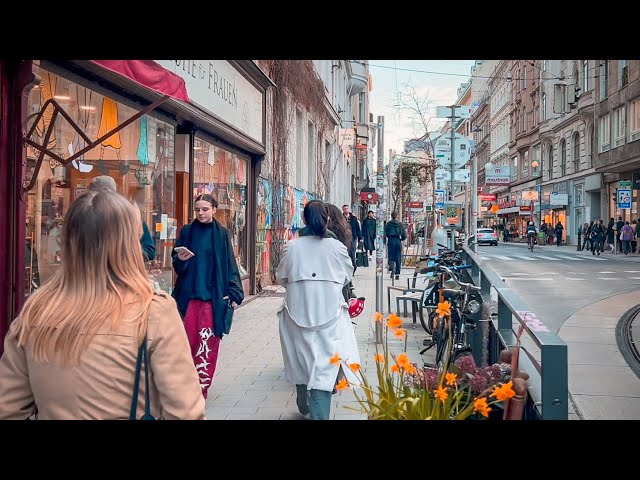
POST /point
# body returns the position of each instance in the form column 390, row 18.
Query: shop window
column 223, row 174
column 139, row 157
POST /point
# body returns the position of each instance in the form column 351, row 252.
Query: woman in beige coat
column 71, row 353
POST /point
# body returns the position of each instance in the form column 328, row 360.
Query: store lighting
column 87, row 107
column 62, row 97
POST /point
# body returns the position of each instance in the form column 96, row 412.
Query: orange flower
column 504, row 392
column 451, row 378
column 355, row 367
column 444, row 309
column 379, row 358
column 410, row 369
column 480, row 405
column 394, row 321
column 441, row 393
column 335, row 360
column 342, row 384
column 379, row 317
column 395, row 368
column 402, row 360
column 400, row 332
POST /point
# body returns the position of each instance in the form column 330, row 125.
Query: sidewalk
column 249, row 381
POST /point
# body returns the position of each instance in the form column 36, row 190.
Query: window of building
column 550, row 162
column 585, row 75
column 535, row 171
column 604, row 132
column 362, row 110
column 543, row 107
column 592, row 145
column 525, row 164
column 579, row 195
column 223, row 174
column 311, row 155
column 299, row 150
column 618, row 127
column 544, row 65
column 575, row 157
column 604, row 79
column 634, row 120
column 140, row 158
column 514, row 168
column 623, row 73
column 563, row 157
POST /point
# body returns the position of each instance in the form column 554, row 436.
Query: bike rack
column 545, row 354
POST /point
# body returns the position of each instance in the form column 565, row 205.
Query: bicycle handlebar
column 450, row 271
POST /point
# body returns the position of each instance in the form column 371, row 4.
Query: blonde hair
column 102, row 266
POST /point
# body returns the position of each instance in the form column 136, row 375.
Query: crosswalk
column 532, row 257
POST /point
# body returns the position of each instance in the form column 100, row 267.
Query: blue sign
column 440, row 198
column 624, row 198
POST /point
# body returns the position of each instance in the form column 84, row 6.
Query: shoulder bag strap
column 142, row 355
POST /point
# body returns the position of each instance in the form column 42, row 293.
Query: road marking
column 518, row 273
column 607, row 278
column 549, row 273
column 502, row 257
column 548, row 258
column 484, row 258
column 524, row 257
column 634, row 278
column 606, row 272
column 632, row 271
column 567, row 257
column 569, row 278
column 523, row 278
column 579, row 273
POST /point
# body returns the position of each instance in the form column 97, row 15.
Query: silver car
column 487, row 235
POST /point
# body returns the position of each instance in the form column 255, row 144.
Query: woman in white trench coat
column 314, row 318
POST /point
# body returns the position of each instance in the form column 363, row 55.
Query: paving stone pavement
column 249, row 381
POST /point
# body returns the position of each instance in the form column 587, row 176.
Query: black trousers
column 394, row 252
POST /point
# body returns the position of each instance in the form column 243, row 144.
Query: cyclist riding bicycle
column 531, row 233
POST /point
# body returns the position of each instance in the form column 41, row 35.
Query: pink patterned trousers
column 198, row 322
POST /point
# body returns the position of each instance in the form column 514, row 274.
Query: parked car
column 487, row 235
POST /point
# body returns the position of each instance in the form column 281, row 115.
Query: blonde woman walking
column 72, row 351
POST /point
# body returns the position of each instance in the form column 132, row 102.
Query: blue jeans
column 316, row 403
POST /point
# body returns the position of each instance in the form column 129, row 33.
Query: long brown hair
column 338, row 225
column 102, row 266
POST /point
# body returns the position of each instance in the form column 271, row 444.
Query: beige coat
column 101, row 386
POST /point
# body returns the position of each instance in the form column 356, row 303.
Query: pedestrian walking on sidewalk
column 315, row 326
column 394, row 234
column 207, row 286
column 71, row 353
column 338, row 226
column 579, row 233
column 597, row 234
column 356, row 233
column 611, row 234
column 369, row 233
column 558, row 233
column 626, row 236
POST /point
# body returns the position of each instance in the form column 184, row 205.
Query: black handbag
column 142, row 356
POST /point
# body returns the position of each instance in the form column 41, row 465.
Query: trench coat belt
column 317, row 327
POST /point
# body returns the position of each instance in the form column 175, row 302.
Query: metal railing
column 543, row 355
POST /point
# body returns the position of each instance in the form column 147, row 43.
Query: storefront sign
column 498, row 175
column 530, row 195
column 488, row 197
column 558, row 198
column 218, row 88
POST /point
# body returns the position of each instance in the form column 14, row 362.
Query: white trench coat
column 314, row 318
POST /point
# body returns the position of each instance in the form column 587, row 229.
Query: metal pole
column 474, row 202
column 452, row 242
column 380, row 227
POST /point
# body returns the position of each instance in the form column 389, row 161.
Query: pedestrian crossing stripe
column 535, row 256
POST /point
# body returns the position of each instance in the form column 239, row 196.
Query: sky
column 391, row 84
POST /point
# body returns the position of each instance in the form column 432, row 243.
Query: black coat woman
column 207, row 287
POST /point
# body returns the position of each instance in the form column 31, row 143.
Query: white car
column 487, row 235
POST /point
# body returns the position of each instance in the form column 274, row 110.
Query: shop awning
column 149, row 74
column 144, row 72
column 504, row 211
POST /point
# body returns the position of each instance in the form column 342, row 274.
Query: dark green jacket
column 146, row 241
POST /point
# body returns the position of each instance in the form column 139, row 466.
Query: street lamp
column 474, row 197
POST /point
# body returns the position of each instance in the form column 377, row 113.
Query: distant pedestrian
column 597, row 234
column 315, row 327
column 610, row 235
column 71, row 353
column 207, row 286
column 356, row 233
column 395, row 234
column 558, row 233
column 579, row 233
column 626, row 236
column 369, row 233
column 586, row 232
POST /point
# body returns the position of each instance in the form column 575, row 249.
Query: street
column 558, row 281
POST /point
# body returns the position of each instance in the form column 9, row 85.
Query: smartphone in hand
column 184, row 253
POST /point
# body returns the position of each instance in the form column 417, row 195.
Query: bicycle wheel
column 427, row 324
column 442, row 339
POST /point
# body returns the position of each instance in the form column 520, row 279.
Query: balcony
column 359, row 78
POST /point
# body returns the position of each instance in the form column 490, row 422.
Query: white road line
column 521, row 274
column 607, row 272
column 632, row 271
column 502, row 257
column 540, row 279
column 634, row 278
column 569, row 278
column 484, row 258
column 607, row 278
column 567, row 257
column 524, row 257
column 579, row 273
column 548, row 258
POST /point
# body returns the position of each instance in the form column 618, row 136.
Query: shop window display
column 223, row 174
column 139, row 157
